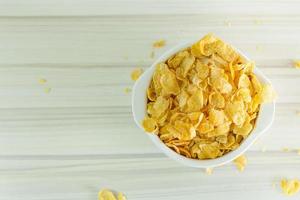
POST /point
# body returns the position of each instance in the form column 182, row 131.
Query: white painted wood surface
column 80, row 137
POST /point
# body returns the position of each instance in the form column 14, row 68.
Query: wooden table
column 69, row 137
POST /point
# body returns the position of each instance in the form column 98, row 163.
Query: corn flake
column 159, row 43
column 136, row 73
column 290, row 187
column 240, row 162
column 106, row 194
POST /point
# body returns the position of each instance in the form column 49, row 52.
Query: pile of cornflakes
column 204, row 100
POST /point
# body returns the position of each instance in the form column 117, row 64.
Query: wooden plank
column 135, row 7
column 110, row 130
column 142, row 177
column 105, row 41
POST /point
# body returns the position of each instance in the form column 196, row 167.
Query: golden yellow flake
column 42, row 81
column 227, row 23
column 258, row 21
column 285, row 149
column 127, row 90
column 159, row 43
column 240, row 162
column 290, row 187
column 136, row 73
column 47, row 90
column 106, row 194
column 121, row 196
column 297, row 64
column 208, row 171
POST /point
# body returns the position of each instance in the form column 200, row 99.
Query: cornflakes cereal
column 240, row 162
column 297, row 63
column 121, row 196
column 285, row 149
column 204, row 100
column 208, row 171
column 159, row 43
column 42, row 81
column 227, row 23
column 106, row 194
column 290, row 187
column 149, row 125
column 47, row 90
column 127, row 90
column 136, row 73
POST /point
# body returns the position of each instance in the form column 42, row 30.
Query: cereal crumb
column 285, row 149
column 240, row 162
column 152, row 54
column 127, row 90
column 136, row 73
column 47, row 90
column 106, row 194
column 42, row 81
column 258, row 21
column 297, row 64
column 121, row 196
column 258, row 47
column 208, row 171
column 290, row 187
column 159, row 43
column 227, row 23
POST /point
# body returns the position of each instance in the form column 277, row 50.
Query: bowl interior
column 139, row 103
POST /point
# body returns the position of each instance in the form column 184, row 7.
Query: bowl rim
column 263, row 122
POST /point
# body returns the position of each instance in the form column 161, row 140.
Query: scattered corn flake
column 285, row 149
column 106, row 194
column 258, row 47
column 240, row 162
column 227, row 23
column 47, row 90
column 290, row 187
column 297, row 64
column 152, row 54
column 121, row 196
column 258, row 21
column 208, row 171
column 136, row 73
column 159, row 43
column 42, row 81
column 127, row 90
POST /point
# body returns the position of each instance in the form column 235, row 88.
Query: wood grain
column 80, row 137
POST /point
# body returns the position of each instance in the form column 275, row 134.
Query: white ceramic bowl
column 139, row 104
